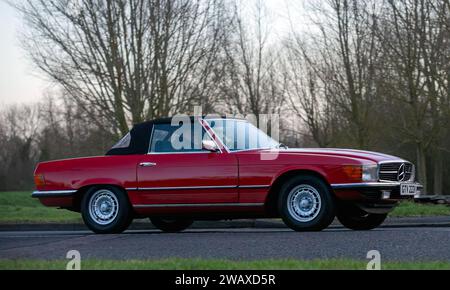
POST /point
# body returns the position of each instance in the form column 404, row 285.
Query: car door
column 188, row 176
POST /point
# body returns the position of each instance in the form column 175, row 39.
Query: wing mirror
column 210, row 146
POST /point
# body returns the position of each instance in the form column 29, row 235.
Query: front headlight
column 370, row 173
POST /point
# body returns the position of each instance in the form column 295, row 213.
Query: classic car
column 231, row 170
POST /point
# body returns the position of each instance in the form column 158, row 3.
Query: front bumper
column 374, row 197
column 376, row 189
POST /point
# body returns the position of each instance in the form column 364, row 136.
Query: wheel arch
column 274, row 191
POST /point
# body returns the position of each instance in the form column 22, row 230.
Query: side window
column 173, row 139
column 124, row 142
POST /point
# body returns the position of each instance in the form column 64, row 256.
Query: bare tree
column 252, row 83
column 414, row 36
column 19, row 127
column 309, row 94
column 126, row 61
column 338, row 60
column 66, row 131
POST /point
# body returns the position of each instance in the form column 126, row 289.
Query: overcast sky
column 19, row 83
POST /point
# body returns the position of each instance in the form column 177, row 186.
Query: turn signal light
column 39, row 180
column 353, row 172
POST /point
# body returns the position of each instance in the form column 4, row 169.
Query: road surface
column 395, row 244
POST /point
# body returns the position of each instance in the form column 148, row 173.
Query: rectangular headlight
column 370, row 173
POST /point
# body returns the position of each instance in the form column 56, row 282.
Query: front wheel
column 106, row 210
column 171, row 225
column 306, row 204
column 356, row 219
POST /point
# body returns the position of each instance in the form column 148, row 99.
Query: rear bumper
column 56, row 198
column 53, row 193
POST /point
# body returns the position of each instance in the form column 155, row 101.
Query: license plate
column 408, row 189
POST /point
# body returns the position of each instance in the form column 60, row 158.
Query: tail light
column 39, row 180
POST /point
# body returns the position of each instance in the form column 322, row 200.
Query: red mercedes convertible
column 214, row 169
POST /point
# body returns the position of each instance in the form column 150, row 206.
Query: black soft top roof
column 140, row 137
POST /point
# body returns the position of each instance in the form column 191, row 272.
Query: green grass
column 411, row 209
column 19, row 207
column 199, row 264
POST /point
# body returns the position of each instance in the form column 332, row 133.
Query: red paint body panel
column 64, row 202
column 188, row 170
column 80, row 172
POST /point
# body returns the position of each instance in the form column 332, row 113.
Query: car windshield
column 241, row 135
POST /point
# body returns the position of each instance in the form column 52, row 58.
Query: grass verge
column 412, row 209
column 198, row 264
column 19, row 207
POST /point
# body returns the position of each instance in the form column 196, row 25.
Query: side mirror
column 210, row 146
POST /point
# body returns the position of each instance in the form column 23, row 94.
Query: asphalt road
column 395, row 244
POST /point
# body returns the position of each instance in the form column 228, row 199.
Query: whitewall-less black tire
column 171, row 225
column 306, row 204
column 106, row 210
column 354, row 218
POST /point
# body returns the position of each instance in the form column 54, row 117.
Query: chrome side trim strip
column 197, row 187
column 253, row 186
column 364, row 184
column 184, row 188
column 53, row 193
column 198, row 205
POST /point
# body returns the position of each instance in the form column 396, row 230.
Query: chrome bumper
column 371, row 185
column 53, row 193
column 379, row 190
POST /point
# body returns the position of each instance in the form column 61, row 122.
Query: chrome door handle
column 147, row 164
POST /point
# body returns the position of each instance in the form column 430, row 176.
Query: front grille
column 391, row 172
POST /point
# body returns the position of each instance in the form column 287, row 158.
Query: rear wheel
column 306, row 204
column 356, row 219
column 106, row 210
column 171, row 225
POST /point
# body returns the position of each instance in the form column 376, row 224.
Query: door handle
column 147, row 164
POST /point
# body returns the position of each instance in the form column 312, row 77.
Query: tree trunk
column 438, row 172
column 421, row 166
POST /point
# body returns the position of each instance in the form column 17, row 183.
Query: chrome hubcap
column 103, row 207
column 304, row 203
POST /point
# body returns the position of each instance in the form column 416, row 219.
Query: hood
column 360, row 154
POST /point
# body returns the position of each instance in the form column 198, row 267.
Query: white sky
column 17, row 82
column 20, row 83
